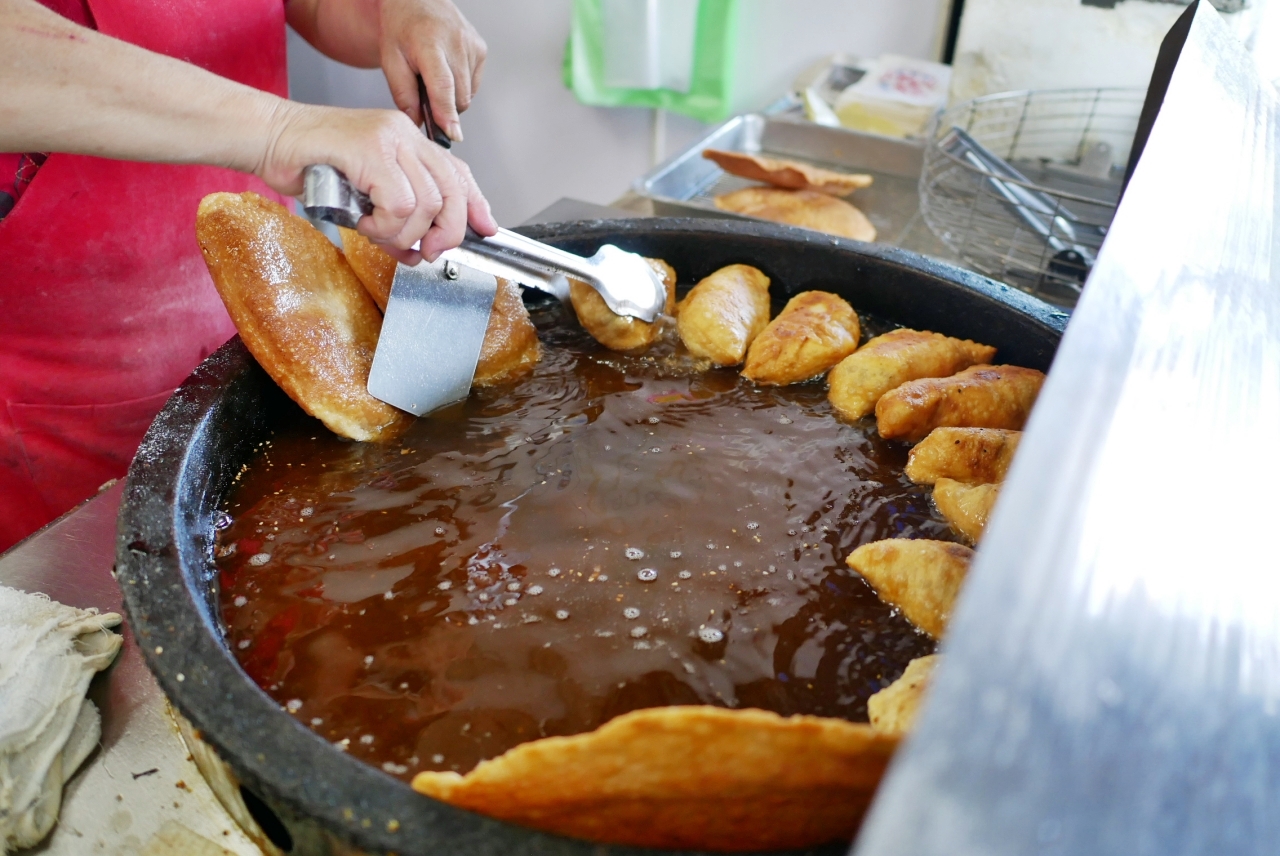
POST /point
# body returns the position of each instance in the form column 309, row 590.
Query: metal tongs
column 625, row 281
column 1075, row 244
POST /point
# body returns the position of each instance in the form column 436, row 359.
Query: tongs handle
column 513, row 256
column 328, row 195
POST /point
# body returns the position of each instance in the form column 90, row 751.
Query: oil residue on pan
column 608, row 534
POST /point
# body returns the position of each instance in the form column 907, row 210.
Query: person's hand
column 431, row 38
column 420, row 192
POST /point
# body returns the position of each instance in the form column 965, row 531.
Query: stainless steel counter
column 139, row 793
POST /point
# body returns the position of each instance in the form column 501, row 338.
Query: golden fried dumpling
column 965, row 506
column 300, row 310
column 893, row 709
column 969, row 455
column 787, row 173
column 807, row 209
column 720, row 318
column 690, row 777
column 978, row 397
column 620, row 332
column 811, row 334
column 374, row 265
column 510, row 341
column 920, row 577
column 891, row 360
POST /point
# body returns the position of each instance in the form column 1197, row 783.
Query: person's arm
column 64, row 88
column 405, row 38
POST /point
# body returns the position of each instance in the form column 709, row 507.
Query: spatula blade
column 432, row 332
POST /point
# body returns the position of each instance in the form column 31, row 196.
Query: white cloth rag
column 48, row 655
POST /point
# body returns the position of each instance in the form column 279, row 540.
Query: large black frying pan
column 325, row 800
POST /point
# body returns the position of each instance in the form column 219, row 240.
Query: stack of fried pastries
column 796, row 193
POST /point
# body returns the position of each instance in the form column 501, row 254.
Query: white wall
column 1057, row 44
column 530, row 142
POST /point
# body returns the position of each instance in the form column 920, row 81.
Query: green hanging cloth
column 683, row 60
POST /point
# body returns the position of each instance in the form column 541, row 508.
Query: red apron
column 105, row 302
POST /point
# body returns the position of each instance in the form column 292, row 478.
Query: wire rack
column 1035, row 214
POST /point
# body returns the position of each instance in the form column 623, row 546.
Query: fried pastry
column 891, row 360
column 978, row 397
column 922, row 578
column 375, row 267
column 811, row 334
column 787, row 173
column 720, row 318
column 510, row 345
column 966, row 507
column 969, row 455
column 807, row 209
column 620, row 332
column 684, row 778
column 893, row 709
column 300, row 310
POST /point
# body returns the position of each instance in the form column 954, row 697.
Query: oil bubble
column 562, row 614
column 710, row 635
column 634, row 553
column 630, row 613
column 646, row 575
column 639, row 632
column 684, row 575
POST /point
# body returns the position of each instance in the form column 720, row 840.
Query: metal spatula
column 438, row 312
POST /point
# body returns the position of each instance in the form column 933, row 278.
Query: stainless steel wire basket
column 1022, row 185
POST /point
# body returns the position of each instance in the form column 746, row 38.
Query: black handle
column 429, row 124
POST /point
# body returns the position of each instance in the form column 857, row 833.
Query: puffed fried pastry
column 620, row 332
column 375, row 267
column 300, row 310
column 511, row 344
column 686, row 777
column 811, row 334
column 893, row 709
column 965, row 506
column 787, row 173
column 720, row 318
column 969, row 455
column 888, row 361
column 920, row 577
column 978, row 397
column 807, row 209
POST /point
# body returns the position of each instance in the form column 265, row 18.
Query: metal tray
column 687, row 184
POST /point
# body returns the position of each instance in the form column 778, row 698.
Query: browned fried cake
column 510, row 341
column 978, row 397
column 920, row 577
column 300, row 310
column 969, row 455
column 966, row 507
column 620, row 332
column 811, row 334
column 375, row 267
column 787, row 173
column 689, row 777
column 891, row 360
column 893, row 709
column 723, row 314
column 807, row 209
